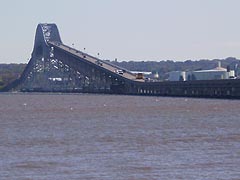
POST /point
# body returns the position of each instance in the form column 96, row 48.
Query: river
column 110, row 137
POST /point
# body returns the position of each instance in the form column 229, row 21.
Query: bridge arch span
column 56, row 67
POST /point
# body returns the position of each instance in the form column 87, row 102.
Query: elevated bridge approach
column 56, row 67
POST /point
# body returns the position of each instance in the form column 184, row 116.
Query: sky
column 129, row 30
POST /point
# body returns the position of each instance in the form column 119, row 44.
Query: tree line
column 164, row 67
column 10, row 72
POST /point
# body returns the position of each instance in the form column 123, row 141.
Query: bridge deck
column 102, row 64
column 91, row 75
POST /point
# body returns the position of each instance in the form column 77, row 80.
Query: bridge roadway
column 103, row 64
column 117, row 82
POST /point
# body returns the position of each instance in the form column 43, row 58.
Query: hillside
column 10, row 72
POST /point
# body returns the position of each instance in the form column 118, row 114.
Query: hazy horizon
column 149, row 60
column 133, row 30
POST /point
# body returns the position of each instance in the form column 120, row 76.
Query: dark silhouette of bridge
column 56, row 67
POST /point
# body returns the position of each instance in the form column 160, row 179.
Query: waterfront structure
column 177, row 76
column 212, row 74
column 56, row 67
column 217, row 73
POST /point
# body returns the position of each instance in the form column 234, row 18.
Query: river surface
column 108, row 137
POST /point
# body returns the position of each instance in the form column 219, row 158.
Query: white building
column 212, row 74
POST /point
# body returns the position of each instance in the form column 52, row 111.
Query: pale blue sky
column 126, row 29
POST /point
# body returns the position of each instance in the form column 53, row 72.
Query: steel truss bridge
column 56, row 67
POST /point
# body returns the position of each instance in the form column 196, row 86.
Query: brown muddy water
column 108, row 137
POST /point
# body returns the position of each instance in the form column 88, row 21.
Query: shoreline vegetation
column 10, row 72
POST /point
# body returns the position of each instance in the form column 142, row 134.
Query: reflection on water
column 102, row 137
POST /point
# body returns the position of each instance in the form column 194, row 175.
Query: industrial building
column 212, row 74
column 177, row 76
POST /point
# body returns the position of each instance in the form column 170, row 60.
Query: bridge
column 56, row 67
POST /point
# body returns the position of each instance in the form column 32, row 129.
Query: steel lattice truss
column 51, row 69
column 56, row 67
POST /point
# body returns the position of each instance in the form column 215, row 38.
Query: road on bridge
column 99, row 62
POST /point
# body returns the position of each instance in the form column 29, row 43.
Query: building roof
column 217, row 69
